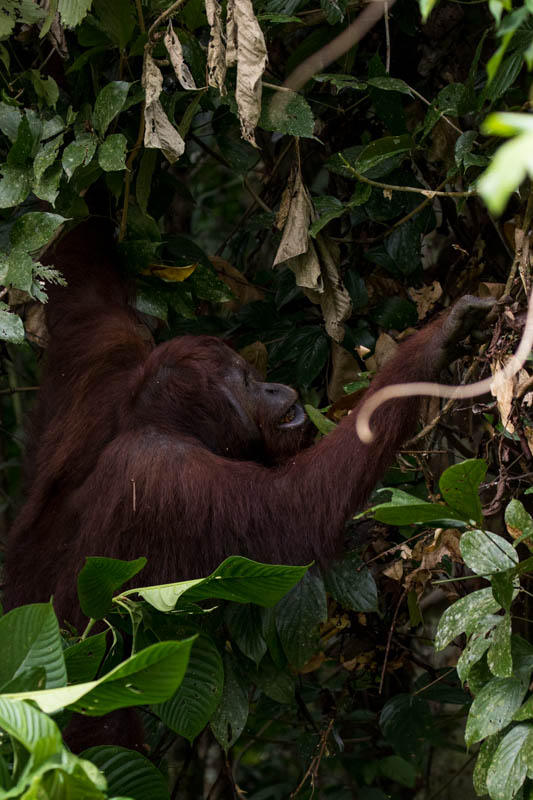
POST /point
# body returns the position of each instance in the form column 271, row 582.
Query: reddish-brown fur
column 129, row 457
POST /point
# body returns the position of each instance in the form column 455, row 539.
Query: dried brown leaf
column 175, row 53
column 216, row 50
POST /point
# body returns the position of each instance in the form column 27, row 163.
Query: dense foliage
column 310, row 225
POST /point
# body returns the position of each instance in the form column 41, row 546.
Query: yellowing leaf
column 172, row 274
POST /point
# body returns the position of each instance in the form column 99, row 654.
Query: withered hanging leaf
column 175, row 53
column 159, row 132
column 296, row 246
column 216, row 51
column 334, row 300
column 251, row 62
column 231, row 34
column 315, row 267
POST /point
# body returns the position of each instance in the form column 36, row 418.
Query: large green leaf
column 352, row 584
column 518, row 522
column 29, row 637
column 11, row 328
column 406, row 509
column 128, row 773
column 192, row 706
column 289, row 113
column 459, row 486
column 237, row 579
column 494, row 707
column 100, row 578
column 84, row 658
column 298, row 616
column 35, row 731
column 150, row 676
column 510, row 763
column 108, row 104
column 112, row 153
column 487, row 553
column 464, row 614
column 229, row 719
column 32, row 231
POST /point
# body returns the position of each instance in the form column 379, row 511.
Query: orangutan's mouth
column 293, row 417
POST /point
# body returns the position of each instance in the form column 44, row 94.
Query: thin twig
column 430, row 193
column 15, row 389
column 389, row 639
column 162, row 17
column 127, row 181
column 140, row 16
column 387, row 36
column 314, row 766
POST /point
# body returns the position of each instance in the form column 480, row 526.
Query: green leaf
column 11, row 328
column 20, row 270
column 311, row 345
column 298, row 616
column 380, row 150
column 230, row 717
column 321, row 423
column 237, row 579
column 15, row 185
column 278, row 684
column 406, row 509
column 503, row 588
column 35, row 229
column 150, row 676
column 46, row 156
column 100, row 578
column 508, row 168
column 47, row 188
column 499, row 657
column 29, row 637
column 83, row 658
column 340, row 81
column 79, row 153
column 459, row 486
column 23, row 146
column 328, row 208
column 35, row 731
column 405, row 721
column 109, row 104
column 390, row 84
column 493, row 708
column 472, row 653
column 143, row 184
column 486, row 753
column 287, row 112
column 128, row 773
column 45, row 88
column 112, row 153
column 18, row 11
column 426, row 7
column 245, row 629
column 518, row 522
column 73, row 11
column 117, row 20
column 487, row 553
column 352, row 584
column 280, row 19
column 398, row 770
column 510, row 763
column 463, row 614
column 207, row 285
column 192, row 706
column 10, row 119
column 396, row 313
